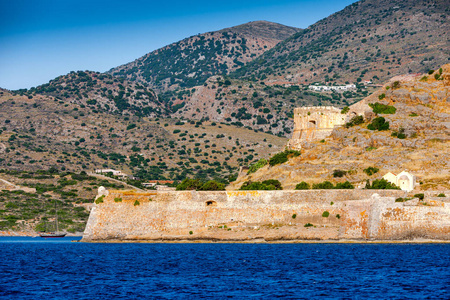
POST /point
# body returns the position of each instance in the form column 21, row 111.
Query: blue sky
column 42, row 39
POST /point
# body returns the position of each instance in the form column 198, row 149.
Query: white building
column 326, row 88
column 405, row 181
column 114, row 172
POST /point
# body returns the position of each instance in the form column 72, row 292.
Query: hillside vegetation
column 368, row 40
column 190, row 62
column 44, row 132
column 101, row 93
column 415, row 109
column 30, row 207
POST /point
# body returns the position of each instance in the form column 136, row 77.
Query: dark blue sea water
column 35, row 268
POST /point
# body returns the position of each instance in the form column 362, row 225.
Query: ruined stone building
column 314, row 123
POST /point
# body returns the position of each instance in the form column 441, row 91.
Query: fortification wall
column 264, row 216
column 314, row 123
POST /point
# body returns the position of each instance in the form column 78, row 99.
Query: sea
column 37, row 268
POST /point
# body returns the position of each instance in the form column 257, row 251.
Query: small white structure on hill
column 327, row 88
column 405, row 181
column 119, row 174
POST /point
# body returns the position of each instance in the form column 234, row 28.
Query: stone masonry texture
column 259, row 216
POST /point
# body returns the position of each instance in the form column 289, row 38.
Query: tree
column 283, row 157
column 212, row 185
column 344, row 185
column 271, row 184
column 326, row 185
column 302, row 186
column 381, row 184
column 189, row 184
column 379, row 124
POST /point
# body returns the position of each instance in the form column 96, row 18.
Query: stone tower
column 314, row 123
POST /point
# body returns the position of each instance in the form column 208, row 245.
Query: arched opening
column 312, row 124
column 211, row 203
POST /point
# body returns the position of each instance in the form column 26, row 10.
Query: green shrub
column 413, row 115
column 338, row 216
column 326, row 185
column 302, row 186
column 294, row 216
column 379, row 124
column 356, row 120
column 396, row 85
column 441, row 195
column 136, row 203
column 371, row 170
column 382, row 96
column 325, row 214
column 117, row 199
column 99, row 199
column 11, row 205
column 421, row 196
column 339, row 173
column 176, row 131
column 270, row 184
column 424, row 78
column 212, row 185
column 283, row 157
column 258, row 165
column 430, row 72
column 273, row 182
column 189, row 184
column 131, row 126
column 380, row 108
column 381, row 184
column 308, row 225
column 344, row 186
column 345, row 110
column 437, row 76
column 400, row 134
column 191, row 232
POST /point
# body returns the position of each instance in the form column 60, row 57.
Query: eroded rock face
column 266, row 216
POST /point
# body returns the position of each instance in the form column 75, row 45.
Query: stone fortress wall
column 258, row 216
column 313, row 123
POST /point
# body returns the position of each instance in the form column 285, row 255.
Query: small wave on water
column 33, row 268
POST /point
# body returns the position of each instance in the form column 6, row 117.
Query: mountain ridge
column 401, row 29
column 191, row 61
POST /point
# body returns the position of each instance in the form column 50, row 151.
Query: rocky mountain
column 190, row 62
column 368, row 40
column 416, row 108
column 39, row 132
column 266, row 107
column 364, row 44
column 101, row 92
column 119, row 112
